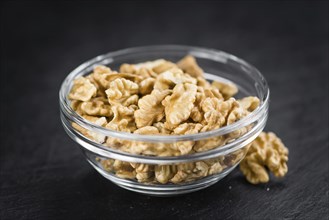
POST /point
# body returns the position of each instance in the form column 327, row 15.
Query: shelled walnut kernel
column 266, row 152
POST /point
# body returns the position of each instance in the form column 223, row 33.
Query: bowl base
column 163, row 190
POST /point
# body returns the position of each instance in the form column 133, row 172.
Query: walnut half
column 266, row 151
column 179, row 105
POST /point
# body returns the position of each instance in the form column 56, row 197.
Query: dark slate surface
column 45, row 176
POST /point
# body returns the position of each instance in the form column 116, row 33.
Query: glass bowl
column 169, row 174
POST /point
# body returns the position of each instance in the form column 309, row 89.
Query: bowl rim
column 215, row 55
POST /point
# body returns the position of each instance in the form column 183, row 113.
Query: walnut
column 126, row 174
column 100, row 89
column 147, row 130
column 145, row 73
column 161, row 127
column 150, row 108
column 202, row 82
column 170, row 78
column 149, row 64
column 235, row 157
column 143, row 172
column 178, row 106
column 90, row 118
column 96, row 107
column 197, row 112
column 213, row 120
column 124, row 169
column 82, row 90
column 249, row 103
column 210, row 104
column 213, row 93
column 122, row 92
column 104, row 76
column 266, row 151
column 209, row 144
column 142, row 73
column 223, row 107
column 236, row 114
column 189, row 65
column 123, row 119
column 128, row 71
column 100, row 69
column 107, row 164
column 119, row 144
column 122, row 165
column 100, row 138
column 127, row 68
column 216, row 111
column 146, row 86
column 184, row 173
column 215, row 168
column 192, row 171
column 226, row 89
column 201, row 169
column 155, row 67
column 80, row 129
column 150, row 148
column 163, row 173
column 131, row 77
column 188, row 128
column 144, row 148
column 179, row 177
column 185, row 147
column 215, row 165
column 237, row 133
column 100, row 74
column 158, row 66
column 76, row 106
column 163, row 67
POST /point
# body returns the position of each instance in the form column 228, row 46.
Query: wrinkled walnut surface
column 266, row 153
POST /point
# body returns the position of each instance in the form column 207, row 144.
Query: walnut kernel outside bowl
column 136, row 172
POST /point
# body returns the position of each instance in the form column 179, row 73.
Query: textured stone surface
column 45, row 176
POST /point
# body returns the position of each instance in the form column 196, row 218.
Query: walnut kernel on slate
column 266, row 152
column 164, row 98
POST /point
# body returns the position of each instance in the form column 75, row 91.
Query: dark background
column 45, row 176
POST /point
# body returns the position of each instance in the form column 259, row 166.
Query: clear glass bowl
column 162, row 175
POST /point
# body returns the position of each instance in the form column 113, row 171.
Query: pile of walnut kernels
column 164, row 98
